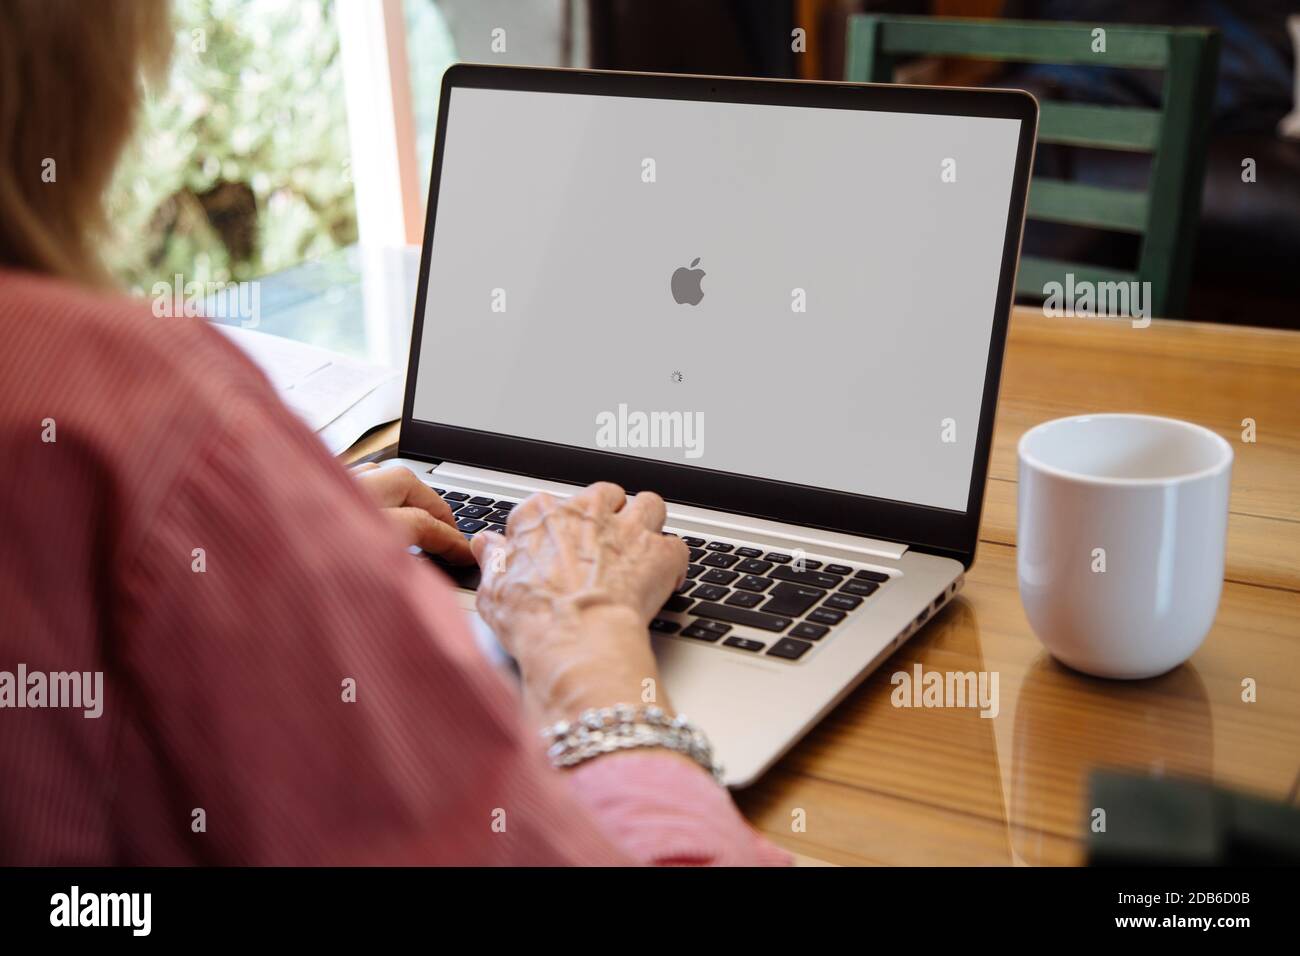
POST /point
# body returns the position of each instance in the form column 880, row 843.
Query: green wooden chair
column 1165, row 214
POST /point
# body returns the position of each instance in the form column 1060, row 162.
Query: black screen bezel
column 923, row 527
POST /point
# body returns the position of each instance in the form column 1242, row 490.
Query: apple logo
column 686, row 284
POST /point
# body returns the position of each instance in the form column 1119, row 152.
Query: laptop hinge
column 680, row 516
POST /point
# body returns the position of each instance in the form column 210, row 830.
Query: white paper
column 318, row 384
column 380, row 407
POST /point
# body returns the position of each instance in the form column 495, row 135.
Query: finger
column 680, row 557
column 420, row 495
column 387, row 487
column 528, row 509
column 648, row 510
column 489, row 551
column 431, row 535
column 487, row 546
column 396, row 487
column 363, row 467
column 604, row 495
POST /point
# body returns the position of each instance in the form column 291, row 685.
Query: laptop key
column 718, row 576
column 744, row 643
column 720, row 546
column 843, row 602
column 440, row 491
column 824, row 615
column 694, row 571
column 791, row 600
column 812, row 579
column 662, row 626
column 710, row 592
column 700, row 633
column 470, row 525
column 789, row 648
column 506, row 505
column 738, row 615
column 498, row 528
column 500, row 516
column 752, row 582
column 838, row 569
column 474, row 511
column 778, row 557
column 810, row 565
column 480, row 500
column 677, row 602
column 716, row 560
column 697, row 553
column 859, row 587
column 877, row 576
column 753, row 566
column 456, row 496
column 744, row 599
column 684, row 586
column 749, row 552
column 809, row 632
column 455, row 506
column 694, row 542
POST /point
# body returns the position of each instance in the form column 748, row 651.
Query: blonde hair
column 70, row 84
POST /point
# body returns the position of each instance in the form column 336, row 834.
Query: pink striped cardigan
column 185, row 536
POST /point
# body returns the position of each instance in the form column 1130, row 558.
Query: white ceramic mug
column 1122, row 521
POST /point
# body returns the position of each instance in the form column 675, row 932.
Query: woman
column 282, row 682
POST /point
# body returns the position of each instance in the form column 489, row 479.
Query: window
column 240, row 165
column 244, row 163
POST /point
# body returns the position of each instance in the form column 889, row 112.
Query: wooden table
column 884, row 785
column 944, row 786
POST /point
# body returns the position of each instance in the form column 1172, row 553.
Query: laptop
column 781, row 305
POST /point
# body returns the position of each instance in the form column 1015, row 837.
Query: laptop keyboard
column 747, row 599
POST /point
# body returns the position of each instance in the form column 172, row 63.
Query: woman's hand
column 570, row 591
column 421, row 516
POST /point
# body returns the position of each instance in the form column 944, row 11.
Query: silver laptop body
column 781, row 305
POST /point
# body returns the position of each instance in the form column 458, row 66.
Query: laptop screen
column 798, row 294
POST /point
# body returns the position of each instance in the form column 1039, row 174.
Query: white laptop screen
column 798, row 294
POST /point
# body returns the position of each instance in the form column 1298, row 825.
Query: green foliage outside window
column 240, row 165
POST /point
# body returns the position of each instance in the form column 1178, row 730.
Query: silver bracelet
column 623, row 727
